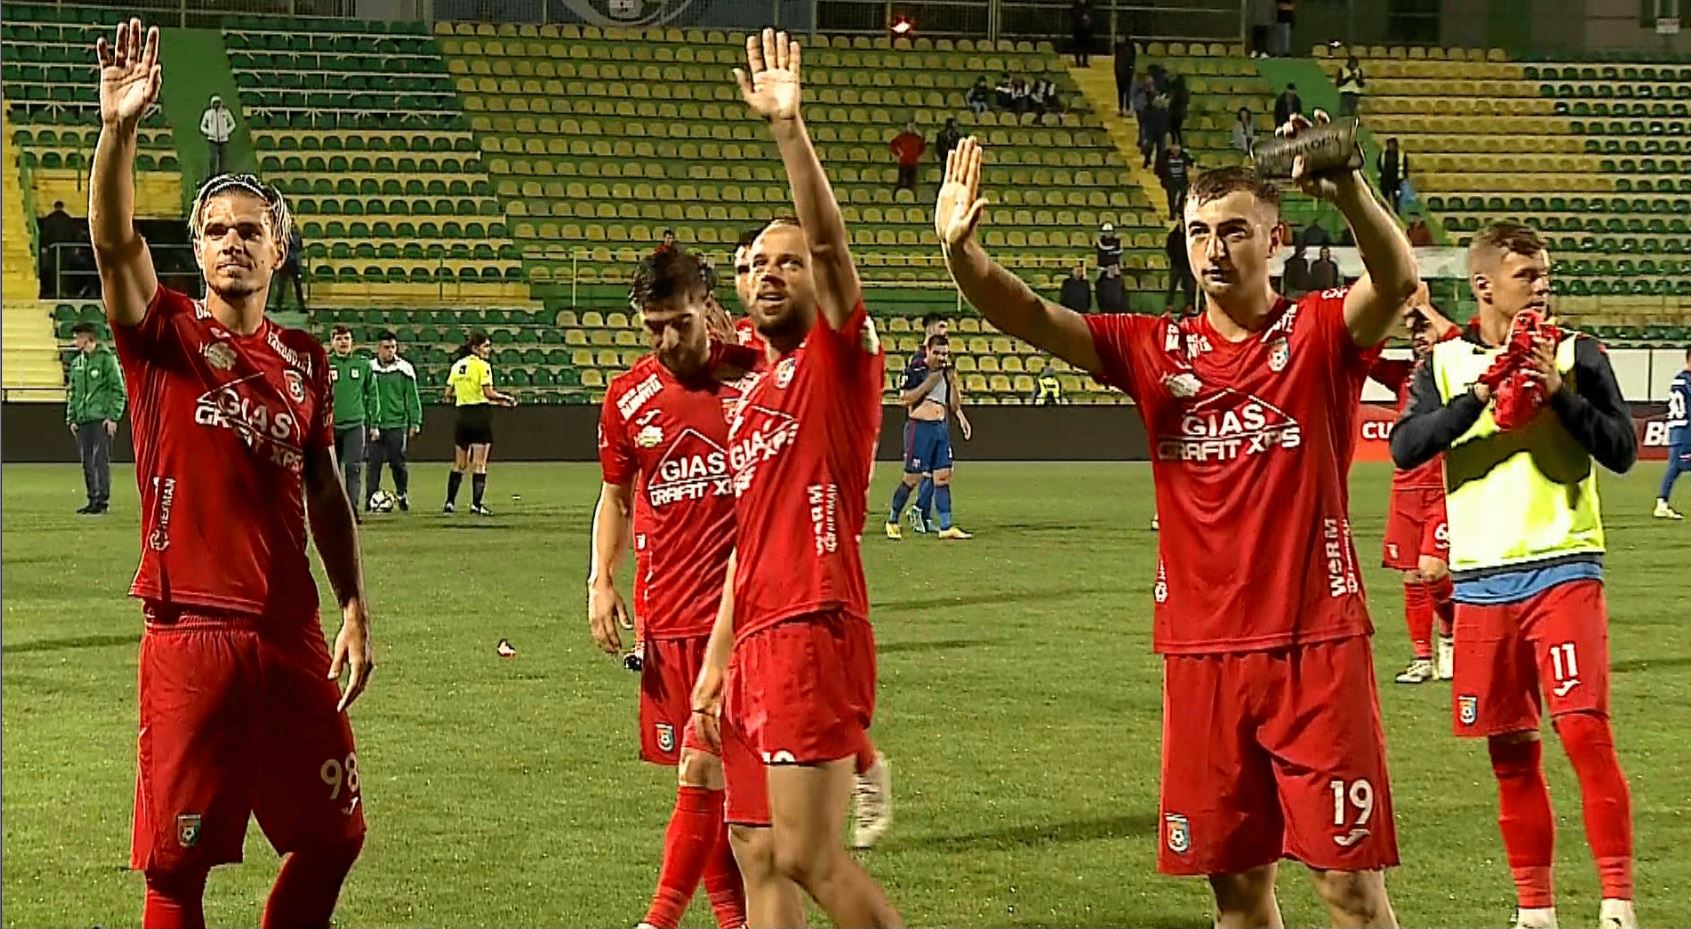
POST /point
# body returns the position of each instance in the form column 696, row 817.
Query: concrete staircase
column 31, row 357
column 1098, row 84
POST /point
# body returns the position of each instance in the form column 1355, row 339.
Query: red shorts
column 800, row 692
column 1274, row 754
column 1416, row 525
column 668, row 670
column 1557, row 639
column 236, row 724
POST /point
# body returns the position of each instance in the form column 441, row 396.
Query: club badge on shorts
column 666, row 737
column 1179, row 833
column 1467, row 709
column 188, row 829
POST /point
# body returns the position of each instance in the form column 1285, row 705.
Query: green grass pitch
column 1018, row 702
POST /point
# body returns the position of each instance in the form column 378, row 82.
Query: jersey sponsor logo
column 823, row 500
column 219, row 355
column 1279, row 354
column 666, row 737
column 289, row 355
column 1179, row 833
column 1182, row 386
column 1467, row 709
column 1658, row 434
column 1341, row 567
column 649, row 436
column 629, row 403
column 757, row 435
column 256, row 422
column 693, row 468
column 296, row 385
column 1228, row 424
column 188, row 829
column 1352, row 837
column 159, row 539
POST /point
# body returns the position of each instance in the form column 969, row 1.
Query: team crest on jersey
column 296, row 385
column 649, row 437
column 1179, row 833
column 219, row 356
column 666, row 737
column 1279, row 353
column 784, row 372
column 188, row 829
column 1467, row 709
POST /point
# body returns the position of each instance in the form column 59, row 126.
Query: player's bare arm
column 1374, row 301
column 771, row 85
column 336, row 534
column 496, row 397
column 613, row 527
column 1007, row 303
column 1430, row 425
column 707, row 691
column 915, row 395
column 129, row 86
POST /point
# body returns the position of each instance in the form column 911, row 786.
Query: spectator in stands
column 1244, row 132
column 1285, row 17
column 1080, row 21
column 947, row 139
column 1180, row 279
column 291, row 267
column 1156, row 129
column 1003, row 95
column 668, row 243
column 1044, row 96
column 1144, row 91
column 1021, row 101
column 1174, row 169
column 1112, row 292
column 1352, row 86
column 56, row 228
column 1047, row 389
column 1126, row 54
column 908, row 146
column 1287, row 105
column 1315, row 235
column 1179, row 103
column 1324, row 274
column 217, row 124
column 94, row 403
column 1294, row 277
column 1077, row 290
column 979, row 96
column 1262, row 27
column 1109, row 246
column 1419, row 234
column 1393, row 166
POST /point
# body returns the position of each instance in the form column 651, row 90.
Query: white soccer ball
column 381, row 502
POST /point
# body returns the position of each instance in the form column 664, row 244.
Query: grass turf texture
column 1019, row 703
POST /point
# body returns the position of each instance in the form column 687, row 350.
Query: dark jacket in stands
column 1112, row 294
column 1076, row 295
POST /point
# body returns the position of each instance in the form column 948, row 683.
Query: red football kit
column 1272, row 741
column 237, row 712
column 1416, row 524
column 800, row 687
column 671, row 439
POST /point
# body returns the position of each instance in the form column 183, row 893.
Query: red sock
column 308, row 886
column 687, row 846
column 866, row 756
column 1607, row 802
column 1525, row 819
column 174, row 901
column 727, row 889
column 1418, row 617
column 1443, row 592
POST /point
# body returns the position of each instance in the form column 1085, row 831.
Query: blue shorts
column 927, row 446
column 1679, row 445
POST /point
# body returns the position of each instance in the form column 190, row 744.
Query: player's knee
column 1433, row 570
column 754, row 851
column 333, row 855
column 1359, row 895
column 1506, row 739
column 699, row 769
column 179, row 882
column 942, row 478
column 800, row 861
column 1246, row 895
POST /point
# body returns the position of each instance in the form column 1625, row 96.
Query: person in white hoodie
column 217, row 124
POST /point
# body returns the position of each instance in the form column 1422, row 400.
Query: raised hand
column 770, row 81
column 960, row 204
column 129, row 73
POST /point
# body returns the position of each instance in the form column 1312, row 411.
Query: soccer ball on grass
column 381, row 502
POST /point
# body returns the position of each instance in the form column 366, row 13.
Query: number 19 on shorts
column 1353, row 806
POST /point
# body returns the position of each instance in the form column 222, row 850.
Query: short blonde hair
column 276, row 207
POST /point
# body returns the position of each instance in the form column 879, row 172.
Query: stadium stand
column 1591, row 153
column 30, row 357
column 358, row 123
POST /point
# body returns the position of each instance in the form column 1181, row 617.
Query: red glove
column 1518, row 395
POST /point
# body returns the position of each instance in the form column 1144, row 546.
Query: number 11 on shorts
column 1357, row 795
column 1564, row 665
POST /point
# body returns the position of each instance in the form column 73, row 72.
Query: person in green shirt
column 399, row 416
column 356, row 408
column 93, row 406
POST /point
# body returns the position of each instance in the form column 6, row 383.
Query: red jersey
column 674, row 439
column 745, row 332
column 1398, row 376
column 1250, row 445
column 801, row 445
column 222, row 423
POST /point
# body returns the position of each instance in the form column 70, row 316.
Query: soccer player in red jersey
column 234, row 450
column 1417, row 533
column 664, row 426
column 791, row 662
column 1272, row 742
